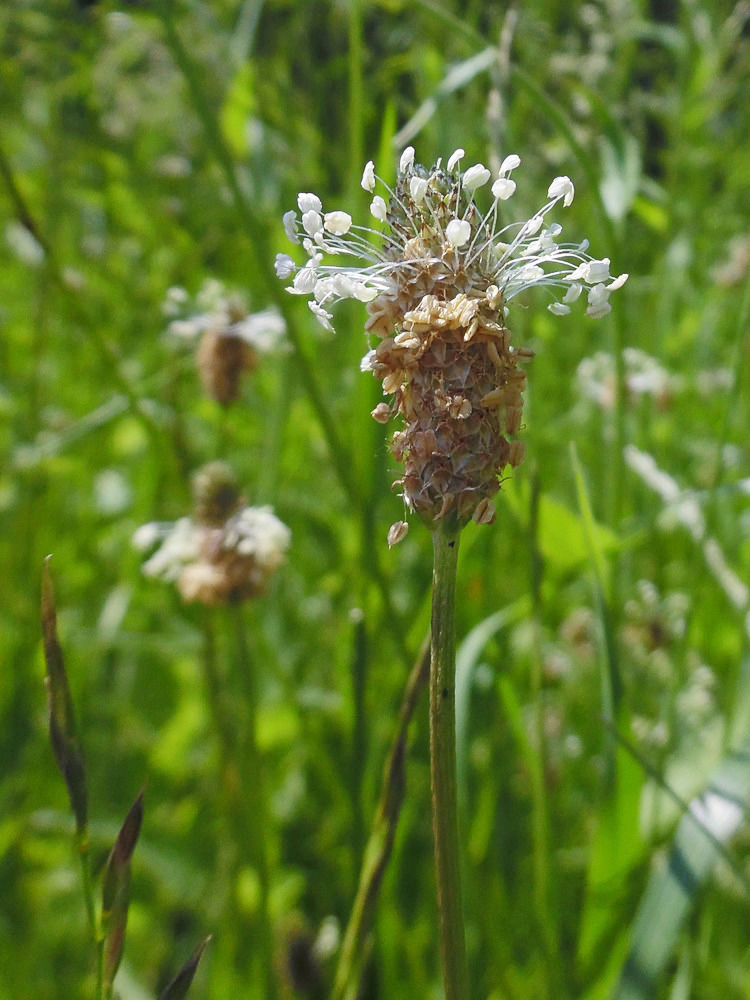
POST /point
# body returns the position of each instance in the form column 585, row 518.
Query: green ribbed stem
column 445, row 538
column 255, row 810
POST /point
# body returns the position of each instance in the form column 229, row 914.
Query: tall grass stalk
column 445, row 539
column 356, row 943
column 254, row 796
column 239, row 756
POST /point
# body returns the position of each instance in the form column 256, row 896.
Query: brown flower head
column 226, row 552
column 230, row 339
column 437, row 290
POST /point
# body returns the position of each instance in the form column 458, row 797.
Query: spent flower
column 225, row 552
column 230, row 338
column 438, row 278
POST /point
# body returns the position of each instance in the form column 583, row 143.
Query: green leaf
column 467, row 658
column 710, row 821
column 621, row 170
column 237, row 110
column 563, row 535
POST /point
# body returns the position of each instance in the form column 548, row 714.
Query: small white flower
column 507, row 257
column 342, row 285
column 454, row 159
column 338, row 223
column 598, row 298
column 309, row 203
column 379, row 209
column 503, row 188
column 181, row 545
column 176, row 298
column 475, row 177
column 312, row 222
column 284, row 266
column 532, row 227
column 146, row 536
column 368, row 176
column 322, row 316
column 558, row 309
column 363, row 293
column 290, row 226
column 457, row 232
column 562, row 187
column 598, row 270
column 305, row 280
column 618, row 282
column 407, row 159
column 187, row 329
column 509, row 163
column 262, row 330
column 529, row 274
column 418, row 189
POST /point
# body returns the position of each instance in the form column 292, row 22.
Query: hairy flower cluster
column 230, row 339
column 225, row 553
column 437, row 279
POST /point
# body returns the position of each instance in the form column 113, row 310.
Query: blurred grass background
column 146, row 145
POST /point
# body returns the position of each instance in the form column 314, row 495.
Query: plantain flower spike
column 438, row 277
column 230, row 339
column 226, row 552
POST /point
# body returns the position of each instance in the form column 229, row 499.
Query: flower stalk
column 438, row 271
column 445, row 539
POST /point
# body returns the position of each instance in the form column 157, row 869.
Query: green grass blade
column 467, row 658
column 712, row 819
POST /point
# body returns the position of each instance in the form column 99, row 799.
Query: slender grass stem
column 355, row 947
column 356, row 117
column 254, row 796
column 445, row 538
column 229, row 764
column 83, row 846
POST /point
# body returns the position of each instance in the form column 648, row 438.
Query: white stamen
column 509, row 163
column 290, row 226
column 407, row 159
column 338, row 223
column 503, row 188
column 368, row 176
column 379, row 209
column 475, row 177
column 418, row 189
column 454, row 158
column 284, row 266
column 457, row 232
column 309, row 203
column 562, row 187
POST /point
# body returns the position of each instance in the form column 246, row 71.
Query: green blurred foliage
column 113, row 190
